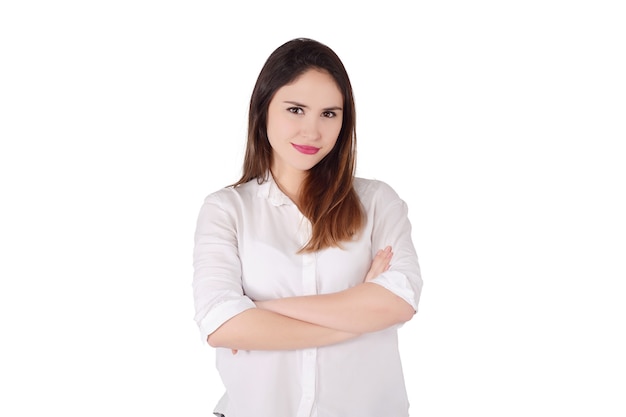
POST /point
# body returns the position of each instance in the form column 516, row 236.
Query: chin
column 305, row 167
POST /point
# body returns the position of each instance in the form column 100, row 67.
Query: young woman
column 295, row 281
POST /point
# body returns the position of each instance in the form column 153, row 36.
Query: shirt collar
column 269, row 190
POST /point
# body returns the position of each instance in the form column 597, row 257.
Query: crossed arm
column 318, row 320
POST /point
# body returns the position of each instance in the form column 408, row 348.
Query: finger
column 384, row 253
column 380, row 262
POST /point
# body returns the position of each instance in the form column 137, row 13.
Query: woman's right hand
column 381, row 263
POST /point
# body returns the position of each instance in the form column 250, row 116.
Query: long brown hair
column 327, row 196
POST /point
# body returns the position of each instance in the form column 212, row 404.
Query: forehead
column 315, row 86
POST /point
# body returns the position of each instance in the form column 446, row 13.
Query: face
column 303, row 122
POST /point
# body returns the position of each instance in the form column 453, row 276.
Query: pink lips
column 307, row 150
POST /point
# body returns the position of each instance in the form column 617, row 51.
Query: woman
column 295, row 282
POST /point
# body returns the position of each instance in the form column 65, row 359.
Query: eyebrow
column 295, row 103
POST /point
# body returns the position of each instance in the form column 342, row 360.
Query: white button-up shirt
column 246, row 245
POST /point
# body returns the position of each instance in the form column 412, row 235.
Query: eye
column 329, row 114
column 295, row 110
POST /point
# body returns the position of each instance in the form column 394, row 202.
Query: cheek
column 280, row 128
column 331, row 132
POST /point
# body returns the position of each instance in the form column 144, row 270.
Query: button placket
column 309, row 270
column 309, row 356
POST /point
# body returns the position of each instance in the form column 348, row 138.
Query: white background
column 500, row 123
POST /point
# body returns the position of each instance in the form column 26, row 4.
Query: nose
column 310, row 128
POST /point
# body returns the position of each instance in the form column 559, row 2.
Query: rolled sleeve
column 398, row 283
column 221, row 313
column 392, row 227
column 217, row 286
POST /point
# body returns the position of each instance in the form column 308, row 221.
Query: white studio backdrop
column 502, row 124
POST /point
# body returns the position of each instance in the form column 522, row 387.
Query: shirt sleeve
column 217, row 287
column 392, row 227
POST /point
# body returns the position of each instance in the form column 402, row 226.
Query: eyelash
column 299, row 110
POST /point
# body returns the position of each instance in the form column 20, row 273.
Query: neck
column 289, row 184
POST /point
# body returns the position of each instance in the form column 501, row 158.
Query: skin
column 365, row 308
column 286, row 332
column 307, row 113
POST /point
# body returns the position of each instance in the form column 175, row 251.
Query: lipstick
column 307, row 150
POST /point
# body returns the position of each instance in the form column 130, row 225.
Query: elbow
column 211, row 340
column 230, row 333
column 390, row 315
column 389, row 308
column 214, row 340
column 406, row 314
column 404, row 311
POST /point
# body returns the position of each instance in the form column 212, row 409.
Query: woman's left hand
column 381, row 263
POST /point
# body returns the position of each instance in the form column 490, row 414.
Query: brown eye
column 329, row 114
column 295, row 110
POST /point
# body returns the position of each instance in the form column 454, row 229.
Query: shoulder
column 228, row 201
column 370, row 189
column 225, row 205
column 231, row 194
column 380, row 201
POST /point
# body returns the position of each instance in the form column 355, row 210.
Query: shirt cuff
column 397, row 283
column 222, row 313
